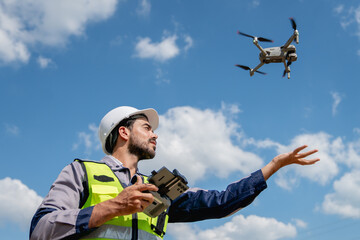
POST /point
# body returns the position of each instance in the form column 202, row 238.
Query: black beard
column 139, row 150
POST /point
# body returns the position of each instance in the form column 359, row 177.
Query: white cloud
column 18, row 202
column 357, row 20
column 12, row 129
column 345, row 200
column 352, row 158
column 161, row 51
column 349, row 17
column 356, row 130
column 12, row 50
column 336, row 101
column 239, row 227
column 189, row 43
column 44, row 62
column 164, row 50
column 299, row 223
column 118, row 40
column 144, row 8
column 200, row 143
column 255, row 3
column 161, row 76
column 89, row 140
column 339, row 9
column 25, row 24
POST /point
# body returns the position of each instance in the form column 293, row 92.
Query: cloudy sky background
column 64, row 64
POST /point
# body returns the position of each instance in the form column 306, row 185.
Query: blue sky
column 64, row 64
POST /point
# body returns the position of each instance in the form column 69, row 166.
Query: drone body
column 278, row 55
column 285, row 54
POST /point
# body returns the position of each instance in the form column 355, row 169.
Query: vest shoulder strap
column 102, row 183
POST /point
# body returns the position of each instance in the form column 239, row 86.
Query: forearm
column 58, row 224
column 104, row 212
column 269, row 169
column 198, row 204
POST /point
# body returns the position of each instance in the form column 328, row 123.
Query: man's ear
column 124, row 133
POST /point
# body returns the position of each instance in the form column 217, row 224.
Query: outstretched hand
column 294, row 157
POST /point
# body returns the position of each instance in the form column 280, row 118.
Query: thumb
column 139, row 180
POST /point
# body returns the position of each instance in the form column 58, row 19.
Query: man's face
column 142, row 141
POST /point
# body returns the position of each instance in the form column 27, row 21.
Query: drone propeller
column 293, row 23
column 243, row 67
column 247, row 68
column 261, row 39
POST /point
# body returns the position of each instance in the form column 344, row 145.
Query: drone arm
column 259, row 47
column 252, row 71
column 295, row 37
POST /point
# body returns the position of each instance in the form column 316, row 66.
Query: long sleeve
column 198, row 204
column 59, row 215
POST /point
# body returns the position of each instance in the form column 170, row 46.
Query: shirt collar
column 114, row 163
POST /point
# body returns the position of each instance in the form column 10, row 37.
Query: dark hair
column 113, row 136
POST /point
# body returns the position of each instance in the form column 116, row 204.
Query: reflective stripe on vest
column 104, row 185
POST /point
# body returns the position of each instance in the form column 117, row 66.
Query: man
column 105, row 200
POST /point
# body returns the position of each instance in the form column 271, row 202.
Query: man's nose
column 155, row 135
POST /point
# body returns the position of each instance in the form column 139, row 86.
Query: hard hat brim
column 151, row 115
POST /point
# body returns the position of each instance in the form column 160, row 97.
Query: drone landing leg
column 287, row 70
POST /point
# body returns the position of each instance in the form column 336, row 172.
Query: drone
column 285, row 54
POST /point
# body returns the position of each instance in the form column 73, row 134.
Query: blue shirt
column 59, row 215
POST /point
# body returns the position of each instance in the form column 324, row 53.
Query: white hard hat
column 115, row 116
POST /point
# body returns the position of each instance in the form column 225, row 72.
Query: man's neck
column 129, row 161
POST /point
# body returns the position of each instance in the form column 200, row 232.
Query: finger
column 302, row 155
column 146, row 197
column 138, row 197
column 146, row 187
column 299, row 149
column 307, row 162
column 139, row 205
column 145, row 203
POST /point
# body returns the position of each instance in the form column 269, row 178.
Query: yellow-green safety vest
column 104, row 185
